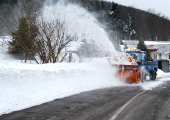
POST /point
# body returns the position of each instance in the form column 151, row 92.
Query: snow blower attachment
column 126, row 72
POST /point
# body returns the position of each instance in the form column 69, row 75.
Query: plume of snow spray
column 79, row 22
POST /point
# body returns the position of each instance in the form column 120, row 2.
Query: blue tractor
column 147, row 66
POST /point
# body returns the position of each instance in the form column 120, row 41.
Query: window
column 160, row 56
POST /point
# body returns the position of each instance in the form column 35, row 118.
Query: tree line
column 122, row 22
column 8, row 7
column 129, row 22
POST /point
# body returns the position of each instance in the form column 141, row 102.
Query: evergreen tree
column 90, row 6
column 102, row 5
column 116, row 20
column 130, row 27
column 23, row 39
column 97, row 5
column 121, row 26
column 141, row 46
column 114, row 15
column 8, row 1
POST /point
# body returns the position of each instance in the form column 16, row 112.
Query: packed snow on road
column 24, row 85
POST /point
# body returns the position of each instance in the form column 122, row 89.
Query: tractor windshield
column 134, row 55
column 137, row 55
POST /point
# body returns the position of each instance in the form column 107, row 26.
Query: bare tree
column 52, row 39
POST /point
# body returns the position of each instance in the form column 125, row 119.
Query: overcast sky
column 162, row 6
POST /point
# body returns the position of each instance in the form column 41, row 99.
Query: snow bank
column 25, row 85
column 161, row 78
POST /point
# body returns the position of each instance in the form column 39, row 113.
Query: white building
column 159, row 49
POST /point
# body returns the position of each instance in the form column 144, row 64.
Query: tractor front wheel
column 143, row 77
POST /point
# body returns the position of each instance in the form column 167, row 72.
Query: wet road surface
column 103, row 104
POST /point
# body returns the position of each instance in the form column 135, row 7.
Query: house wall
column 153, row 55
column 164, row 56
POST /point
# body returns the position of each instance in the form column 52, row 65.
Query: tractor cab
column 151, row 66
column 139, row 56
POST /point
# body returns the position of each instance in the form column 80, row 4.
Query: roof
column 156, row 42
column 135, row 42
column 163, row 48
column 131, row 42
column 160, row 46
column 151, row 47
column 132, row 46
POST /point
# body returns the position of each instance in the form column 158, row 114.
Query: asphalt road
column 119, row 103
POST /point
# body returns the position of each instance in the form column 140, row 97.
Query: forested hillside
column 10, row 9
column 120, row 22
column 128, row 22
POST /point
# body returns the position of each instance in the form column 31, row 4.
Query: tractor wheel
column 152, row 75
column 143, row 77
column 138, row 76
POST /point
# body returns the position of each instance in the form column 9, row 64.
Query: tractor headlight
column 143, row 63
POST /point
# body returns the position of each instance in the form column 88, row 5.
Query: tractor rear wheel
column 152, row 75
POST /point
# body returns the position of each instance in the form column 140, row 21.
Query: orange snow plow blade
column 128, row 73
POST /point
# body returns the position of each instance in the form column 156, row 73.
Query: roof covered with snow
column 163, row 48
column 130, row 42
column 152, row 47
column 135, row 42
column 160, row 46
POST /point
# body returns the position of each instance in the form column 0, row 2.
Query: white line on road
column 123, row 107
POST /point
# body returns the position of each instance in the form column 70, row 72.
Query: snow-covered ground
column 25, row 85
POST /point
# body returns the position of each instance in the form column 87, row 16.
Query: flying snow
column 79, row 22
